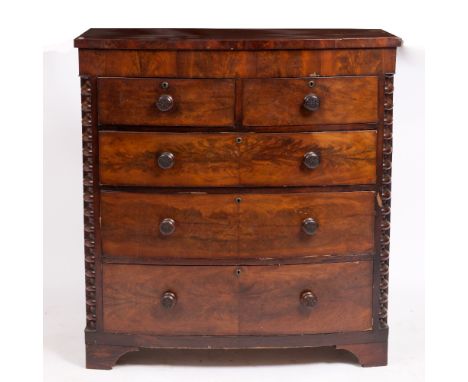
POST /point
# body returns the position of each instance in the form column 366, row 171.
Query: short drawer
column 166, row 102
column 306, row 101
column 225, row 300
column 236, row 226
column 227, row 159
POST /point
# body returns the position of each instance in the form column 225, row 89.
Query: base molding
column 104, row 349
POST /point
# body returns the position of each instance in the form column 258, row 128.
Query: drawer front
column 274, row 226
column 140, row 101
column 224, row 159
column 281, row 102
column 197, row 159
column 225, row 300
column 206, row 299
column 230, row 226
column 204, row 225
column 309, row 159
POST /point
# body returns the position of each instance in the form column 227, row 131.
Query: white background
column 63, row 259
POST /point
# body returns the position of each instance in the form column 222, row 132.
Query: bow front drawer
column 306, row 101
column 166, row 102
column 291, row 299
column 226, row 159
column 230, row 226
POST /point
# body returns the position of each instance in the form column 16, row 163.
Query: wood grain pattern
column 131, row 101
column 206, row 225
column 228, row 300
column 236, row 64
column 270, row 298
column 276, row 102
column 217, row 226
column 277, row 159
column 200, row 159
column 207, row 299
column 211, row 159
column 232, row 39
column 271, row 224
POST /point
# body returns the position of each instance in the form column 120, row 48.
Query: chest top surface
column 234, row 39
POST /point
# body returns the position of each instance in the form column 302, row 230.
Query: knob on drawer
column 167, row 226
column 168, row 299
column 165, row 102
column 311, row 102
column 166, row 160
column 311, row 160
column 309, row 226
column 308, row 298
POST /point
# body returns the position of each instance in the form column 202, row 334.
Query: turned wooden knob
column 168, row 299
column 309, row 226
column 166, row 160
column 165, row 102
column 311, row 160
column 311, row 102
column 167, row 226
column 308, row 298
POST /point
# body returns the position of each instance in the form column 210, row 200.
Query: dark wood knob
column 308, row 298
column 168, row 299
column 165, row 102
column 311, row 102
column 166, row 160
column 167, row 226
column 309, row 226
column 311, row 160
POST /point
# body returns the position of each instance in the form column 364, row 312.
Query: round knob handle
column 168, row 299
column 311, row 102
column 166, row 160
column 165, row 102
column 311, row 160
column 167, row 226
column 309, row 226
column 308, row 298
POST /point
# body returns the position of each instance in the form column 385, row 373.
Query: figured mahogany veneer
column 228, row 300
column 196, row 102
column 204, row 160
column 277, row 102
column 217, row 226
column 237, row 189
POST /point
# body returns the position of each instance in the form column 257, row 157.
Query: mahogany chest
column 236, row 189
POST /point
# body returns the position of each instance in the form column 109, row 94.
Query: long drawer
column 229, row 226
column 225, row 300
column 227, row 159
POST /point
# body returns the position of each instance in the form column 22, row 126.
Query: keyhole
column 238, row 272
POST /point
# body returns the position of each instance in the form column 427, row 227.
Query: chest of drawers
column 236, row 189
